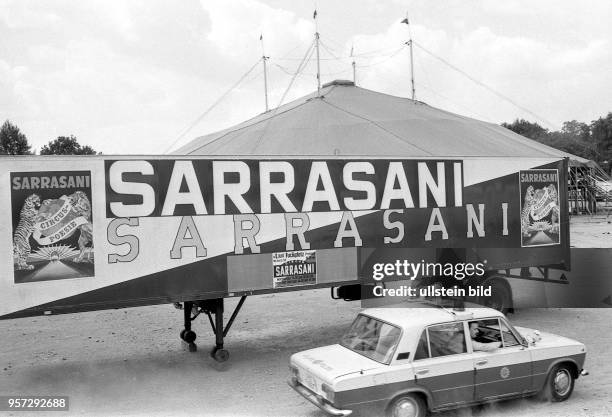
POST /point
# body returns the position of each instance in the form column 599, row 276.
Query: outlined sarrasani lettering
column 209, row 187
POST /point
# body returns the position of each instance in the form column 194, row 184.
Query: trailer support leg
column 210, row 308
column 215, row 307
column 218, row 353
column 218, row 327
column 234, row 314
column 188, row 335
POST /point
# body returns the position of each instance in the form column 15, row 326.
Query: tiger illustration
column 25, row 228
column 528, row 202
column 552, row 193
column 81, row 205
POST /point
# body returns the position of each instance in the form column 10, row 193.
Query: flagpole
column 409, row 43
column 264, row 59
column 354, row 75
column 314, row 16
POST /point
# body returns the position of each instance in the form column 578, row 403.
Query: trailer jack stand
column 210, row 308
column 188, row 335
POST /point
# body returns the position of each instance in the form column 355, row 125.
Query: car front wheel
column 560, row 383
column 409, row 405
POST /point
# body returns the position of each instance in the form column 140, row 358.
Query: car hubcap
column 405, row 408
column 562, row 382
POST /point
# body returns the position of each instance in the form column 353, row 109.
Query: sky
column 130, row 76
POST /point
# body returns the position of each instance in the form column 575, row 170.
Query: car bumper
column 317, row 400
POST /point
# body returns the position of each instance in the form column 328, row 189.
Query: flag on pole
column 314, row 15
column 406, row 21
column 261, row 37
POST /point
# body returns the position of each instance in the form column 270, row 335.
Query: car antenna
column 431, row 303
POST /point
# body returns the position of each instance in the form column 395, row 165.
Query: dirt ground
column 591, row 231
column 131, row 362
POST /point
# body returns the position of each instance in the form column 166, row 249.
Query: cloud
column 535, row 73
column 128, row 76
column 237, row 25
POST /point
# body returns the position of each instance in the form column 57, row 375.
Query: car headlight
column 328, row 391
column 294, row 371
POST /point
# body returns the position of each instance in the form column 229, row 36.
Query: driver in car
column 480, row 346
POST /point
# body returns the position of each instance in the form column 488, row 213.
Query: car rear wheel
column 409, row 405
column 560, row 383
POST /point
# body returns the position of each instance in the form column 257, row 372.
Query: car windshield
column 372, row 338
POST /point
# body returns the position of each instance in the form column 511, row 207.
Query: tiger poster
column 540, row 223
column 52, row 225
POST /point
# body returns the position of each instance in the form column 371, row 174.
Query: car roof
column 419, row 315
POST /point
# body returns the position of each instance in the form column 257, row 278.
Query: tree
column 574, row 137
column 577, row 129
column 66, row 145
column 12, row 141
column 601, row 136
column 530, row 130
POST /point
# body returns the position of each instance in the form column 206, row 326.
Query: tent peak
column 339, row 82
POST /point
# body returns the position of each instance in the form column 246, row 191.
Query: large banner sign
column 175, row 228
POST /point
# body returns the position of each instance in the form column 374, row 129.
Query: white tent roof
column 352, row 121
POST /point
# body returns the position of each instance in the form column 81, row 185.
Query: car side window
column 486, row 331
column 422, row 351
column 446, row 339
column 507, row 337
column 493, row 330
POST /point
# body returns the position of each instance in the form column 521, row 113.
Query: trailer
column 105, row 232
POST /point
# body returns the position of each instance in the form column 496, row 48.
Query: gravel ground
column 131, row 362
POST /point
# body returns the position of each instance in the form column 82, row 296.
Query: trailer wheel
column 220, row 355
column 189, row 336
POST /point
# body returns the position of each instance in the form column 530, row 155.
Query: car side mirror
column 530, row 340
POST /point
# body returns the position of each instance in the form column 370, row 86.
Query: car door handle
column 422, row 371
column 480, row 363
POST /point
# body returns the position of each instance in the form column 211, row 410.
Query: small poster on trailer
column 540, row 223
column 52, row 225
column 295, row 268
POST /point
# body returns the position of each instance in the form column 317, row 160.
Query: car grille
column 309, row 381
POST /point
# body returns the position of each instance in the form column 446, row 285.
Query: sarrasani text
column 293, row 190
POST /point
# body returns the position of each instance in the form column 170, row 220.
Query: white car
column 406, row 361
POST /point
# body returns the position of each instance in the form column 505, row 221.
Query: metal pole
column 187, row 306
column 318, row 66
column 411, row 69
column 219, row 323
column 409, row 43
column 264, row 59
column 354, row 72
column 234, row 314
